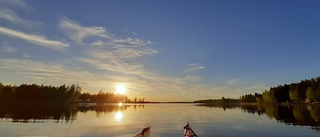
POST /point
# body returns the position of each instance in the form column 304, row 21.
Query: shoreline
column 284, row 104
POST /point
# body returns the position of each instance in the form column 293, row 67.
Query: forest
column 63, row 93
column 301, row 92
column 223, row 100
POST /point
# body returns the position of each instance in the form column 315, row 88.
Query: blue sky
column 166, row 50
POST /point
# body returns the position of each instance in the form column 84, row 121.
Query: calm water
column 166, row 120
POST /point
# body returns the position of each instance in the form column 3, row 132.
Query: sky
column 160, row 50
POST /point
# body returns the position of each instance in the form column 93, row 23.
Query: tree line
column 256, row 97
column 223, row 100
column 303, row 91
column 107, row 97
column 39, row 93
column 63, row 93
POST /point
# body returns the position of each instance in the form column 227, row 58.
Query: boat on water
column 188, row 132
column 145, row 132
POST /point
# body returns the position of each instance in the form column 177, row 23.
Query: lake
column 166, row 120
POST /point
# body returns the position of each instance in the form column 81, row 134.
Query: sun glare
column 119, row 115
column 121, row 89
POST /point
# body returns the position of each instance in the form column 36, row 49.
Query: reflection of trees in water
column 42, row 112
column 37, row 113
column 301, row 115
column 219, row 105
column 139, row 106
column 103, row 108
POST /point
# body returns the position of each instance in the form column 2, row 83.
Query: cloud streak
column 35, row 39
column 16, row 3
column 107, row 52
column 98, row 36
column 48, row 71
column 6, row 48
column 194, row 68
column 14, row 18
column 78, row 33
column 233, row 82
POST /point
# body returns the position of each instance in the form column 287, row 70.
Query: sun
column 121, row 89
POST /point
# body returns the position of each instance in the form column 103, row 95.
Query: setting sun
column 121, row 89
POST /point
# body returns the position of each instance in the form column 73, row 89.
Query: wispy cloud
column 115, row 66
column 9, row 49
column 130, row 42
column 15, row 3
column 26, row 55
column 122, row 53
column 14, row 18
column 48, row 71
column 97, row 36
column 106, row 51
column 233, row 82
column 78, row 33
column 35, row 39
column 6, row 48
column 194, row 68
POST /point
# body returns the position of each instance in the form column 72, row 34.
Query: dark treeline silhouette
column 39, row 93
column 221, row 101
column 106, row 97
column 58, row 113
column 63, row 93
column 303, row 91
column 251, row 98
column 103, row 97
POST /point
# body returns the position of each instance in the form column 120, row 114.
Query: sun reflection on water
column 119, row 116
column 120, row 104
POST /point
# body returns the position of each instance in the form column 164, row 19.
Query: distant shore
column 286, row 103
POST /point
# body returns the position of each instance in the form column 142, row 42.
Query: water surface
column 91, row 120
